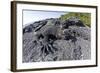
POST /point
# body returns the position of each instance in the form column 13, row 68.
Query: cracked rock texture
column 56, row 40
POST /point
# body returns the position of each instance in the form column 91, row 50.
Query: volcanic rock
column 56, row 40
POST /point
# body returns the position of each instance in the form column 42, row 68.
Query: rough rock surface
column 56, row 40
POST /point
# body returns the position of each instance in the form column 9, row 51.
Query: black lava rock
column 56, row 40
column 73, row 21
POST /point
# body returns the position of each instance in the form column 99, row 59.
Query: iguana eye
column 40, row 36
